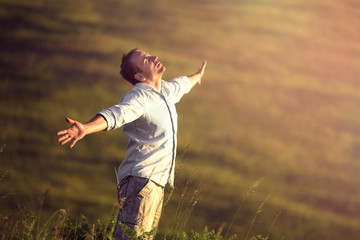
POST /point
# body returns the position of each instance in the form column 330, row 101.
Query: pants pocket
column 146, row 190
column 130, row 199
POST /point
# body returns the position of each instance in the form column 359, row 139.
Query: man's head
column 127, row 68
column 138, row 66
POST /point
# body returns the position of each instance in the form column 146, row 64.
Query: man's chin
column 162, row 69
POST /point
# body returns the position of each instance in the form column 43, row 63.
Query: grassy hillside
column 279, row 101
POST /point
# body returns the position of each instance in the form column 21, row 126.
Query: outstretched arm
column 78, row 130
column 196, row 77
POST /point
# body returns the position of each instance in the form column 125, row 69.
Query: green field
column 279, row 101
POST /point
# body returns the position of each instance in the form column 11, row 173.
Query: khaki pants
column 141, row 202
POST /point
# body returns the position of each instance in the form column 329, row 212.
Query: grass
column 279, row 101
column 25, row 223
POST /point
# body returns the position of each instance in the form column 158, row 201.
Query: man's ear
column 139, row 77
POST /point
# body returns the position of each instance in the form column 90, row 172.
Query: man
column 148, row 116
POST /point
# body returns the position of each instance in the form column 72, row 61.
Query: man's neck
column 156, row 83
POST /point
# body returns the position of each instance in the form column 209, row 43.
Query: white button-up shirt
column 149, row 119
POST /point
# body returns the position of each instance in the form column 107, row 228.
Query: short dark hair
column 127, row 68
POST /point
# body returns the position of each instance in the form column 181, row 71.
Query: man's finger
column 202, row 68
column 65, row 141
column 73, row 143
column 63, row 138
column 204, row 64
column 69, row 120
column 61, row 132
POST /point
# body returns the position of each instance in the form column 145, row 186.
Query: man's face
column 150, row 67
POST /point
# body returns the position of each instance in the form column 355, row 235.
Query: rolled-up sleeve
column 129, row 109
column 176, row 88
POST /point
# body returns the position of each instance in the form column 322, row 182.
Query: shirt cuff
column 187, row 83
column 104, row 113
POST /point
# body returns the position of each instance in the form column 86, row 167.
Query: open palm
column 75, row 133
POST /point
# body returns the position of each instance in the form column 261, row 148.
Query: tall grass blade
column 259, row 210
column 250, row 192
column 273, row 224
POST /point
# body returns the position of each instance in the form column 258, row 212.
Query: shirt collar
column 145, row 86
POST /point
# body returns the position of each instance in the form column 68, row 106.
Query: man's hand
column 196, row 77
column 201, row 71
column 76, row 132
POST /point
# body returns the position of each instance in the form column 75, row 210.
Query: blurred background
column 279, row 102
